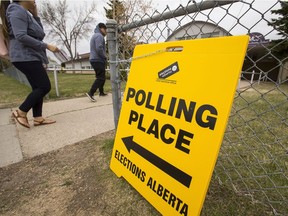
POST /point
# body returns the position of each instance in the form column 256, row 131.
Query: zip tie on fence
column 139, row 57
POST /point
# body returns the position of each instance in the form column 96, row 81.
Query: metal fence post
column 114, row 73
column 56, row 81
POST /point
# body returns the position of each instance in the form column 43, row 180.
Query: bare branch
column 67, row 26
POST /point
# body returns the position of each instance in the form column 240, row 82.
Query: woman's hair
column 3, row 7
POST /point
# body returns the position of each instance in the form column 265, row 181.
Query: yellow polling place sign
column 174, row 114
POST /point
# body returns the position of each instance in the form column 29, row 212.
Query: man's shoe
column 102, row 94
column 90, row 97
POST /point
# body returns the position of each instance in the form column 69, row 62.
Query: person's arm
column 19, row 24
column 100, row 49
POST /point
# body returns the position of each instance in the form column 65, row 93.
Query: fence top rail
column 180, row 11
column 66, row 69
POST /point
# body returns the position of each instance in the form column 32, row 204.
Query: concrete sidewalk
column 77, row 119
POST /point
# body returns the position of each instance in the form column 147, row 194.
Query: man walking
column 98, row 60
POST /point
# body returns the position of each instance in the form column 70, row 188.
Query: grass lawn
column 253, row 156
column 12, row 93
column 74, row 85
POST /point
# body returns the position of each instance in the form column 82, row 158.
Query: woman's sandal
column 43, row 121
column 22, row 120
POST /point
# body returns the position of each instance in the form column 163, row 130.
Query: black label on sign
column 169, row 71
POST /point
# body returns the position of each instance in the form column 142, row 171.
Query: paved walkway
column 77, row 119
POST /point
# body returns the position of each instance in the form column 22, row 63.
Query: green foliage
column 116, row 11
column 281, row 23
column 280, row 47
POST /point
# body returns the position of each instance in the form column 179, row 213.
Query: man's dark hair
column 102, row 25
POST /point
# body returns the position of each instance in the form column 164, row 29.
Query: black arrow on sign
column 166, row 167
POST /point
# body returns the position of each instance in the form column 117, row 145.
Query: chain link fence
column 253, row 159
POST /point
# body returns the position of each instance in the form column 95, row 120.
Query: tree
column 123, row 12
column 280, row 47
column 136, row 7
column 116, row 11
column 65, row 29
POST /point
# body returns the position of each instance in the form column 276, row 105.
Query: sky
column 247, row 17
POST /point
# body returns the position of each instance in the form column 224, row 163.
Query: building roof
column 80, row 58
column 199, row 24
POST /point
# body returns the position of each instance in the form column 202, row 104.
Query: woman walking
column 27, row 52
